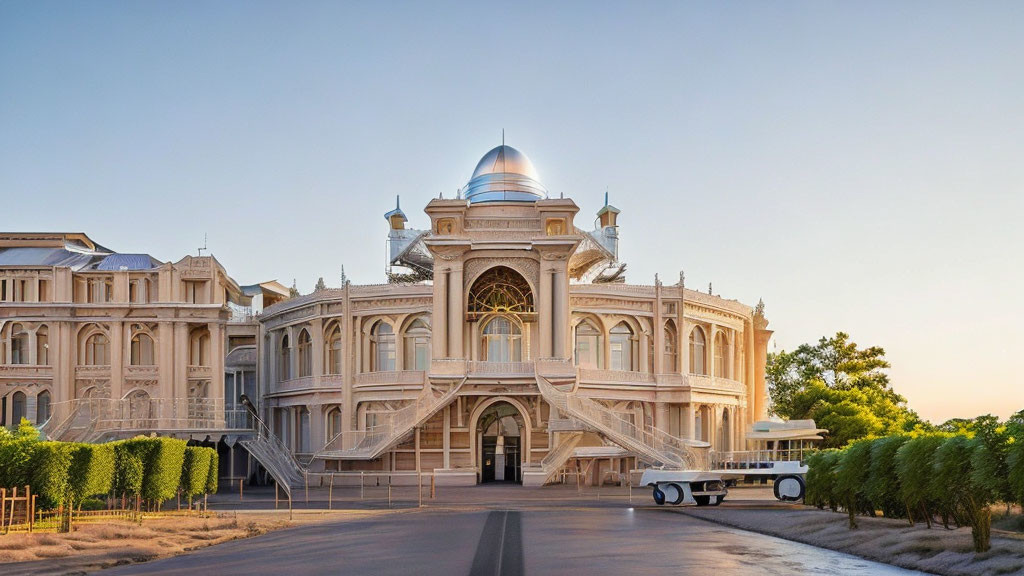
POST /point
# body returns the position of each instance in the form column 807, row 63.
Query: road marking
column 500, row 549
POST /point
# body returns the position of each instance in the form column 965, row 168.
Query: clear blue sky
column 860, row 166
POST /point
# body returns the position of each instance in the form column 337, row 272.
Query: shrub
column 821, row 479
column 965, row 500
column 195, row 471
column 50, row 462
column 15, row 456
column 211, row 478
column 130, row 465
column 914, row 471
column 883, row 484
column 92, row 470
column 851, row 474
column 163, row 472
column 91, row 504
column 1015, row 466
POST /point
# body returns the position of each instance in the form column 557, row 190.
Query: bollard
column 433, row 487
column 389, row 494
column 289, row 506
column 305, row 475
column 330, row 494
column 276, row 496
column 419, row 489
column 240, row 480
column 629, row 483
column 361, row 476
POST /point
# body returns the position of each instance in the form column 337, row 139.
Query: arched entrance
column 501, row 443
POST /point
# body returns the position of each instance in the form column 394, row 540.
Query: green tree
column 842, row 387
column 914, row 462
column 883, row 484
column 851, row 475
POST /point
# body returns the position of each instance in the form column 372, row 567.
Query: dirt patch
column 936, row 550
column 95, row 546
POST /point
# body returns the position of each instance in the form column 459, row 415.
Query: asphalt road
column 566, row 540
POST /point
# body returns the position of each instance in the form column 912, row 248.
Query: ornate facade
column 505, row 345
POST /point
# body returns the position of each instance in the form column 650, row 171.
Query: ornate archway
column 492, row 415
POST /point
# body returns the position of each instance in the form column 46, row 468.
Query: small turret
column 608, row 233
column 396, row 218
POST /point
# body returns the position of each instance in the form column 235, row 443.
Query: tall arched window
column 333, row 423
column 97, row 350
column 305, row 354
column 17, row 407
column 43, row 346
column 624, row 347
column 142, row 350
column 720, row 365
column 589, row 345
column 42, row 406
column 19, row 345
column 284, row 362
column 417, row 346
column 199, row 347
column 334, row 349
column 503, row 341
column 382, row 347
column 697, row 358
column 670, row 359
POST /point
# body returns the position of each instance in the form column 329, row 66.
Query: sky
column 859, row 166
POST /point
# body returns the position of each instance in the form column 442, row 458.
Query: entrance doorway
column 499, row 431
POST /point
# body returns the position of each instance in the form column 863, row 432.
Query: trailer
column 684, row 487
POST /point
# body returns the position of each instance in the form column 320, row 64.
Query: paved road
column 497, row 542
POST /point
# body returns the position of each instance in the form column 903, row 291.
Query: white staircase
column 272, row 454
column 372, row 442
column 553, row 462
column 652, row 445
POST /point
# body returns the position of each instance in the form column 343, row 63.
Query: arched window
column 305, row 354
column 670, row 360
column 417, row 346
column 17, row 407
column 720, row 365
column 42, row 406
column 142, row 350
column 382, row 347
column 19, row 345
column 724, row 433
column 284, row 364
column 333, row 423
column 697, row 357
column 304, row 441
column 334, row 349
column 589, row 345
column 502, row 290
column 624, row 347
column 97, row 350
column 43, row 346
column 503, row 341
column 199, row 347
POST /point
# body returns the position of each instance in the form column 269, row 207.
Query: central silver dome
column 504, row 174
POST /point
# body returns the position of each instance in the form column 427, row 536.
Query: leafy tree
column 842, row 387
column 952, row 484
column 914, row 463
column 320, row 285
column 16, row 453
column 851, row 475
column 989, row 470
column 883, row 484
column 194, row 472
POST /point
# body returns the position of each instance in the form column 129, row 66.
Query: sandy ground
column 95, row 546
column 936, row 550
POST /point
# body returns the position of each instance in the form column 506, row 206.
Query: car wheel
column 789, row 488
column 659, row 496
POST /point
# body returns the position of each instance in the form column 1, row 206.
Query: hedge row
column 59, row 472
column 953, row 477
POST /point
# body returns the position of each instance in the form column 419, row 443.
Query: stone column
column 560, row 316
column 709, row 350
column 439, row 318
column 455, row 315
column 316, row 328
column 761, row 336
column 545, row 312
column 165, row 360
column 117, row 360
column 217, row 347
column 658, row 333
column 180, row 391
column 688, row 421
column 661, row 417
column 748, row 369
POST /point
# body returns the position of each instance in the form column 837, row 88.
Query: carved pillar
column 560, row 316
column 658, row 333
column 761, row 336
column 316, row 327
column 217, row 355
column 165, row 360
column 116, row 360
column 748, row 369
column 545, row 311
column 439, row 334
column 455, row 315
column 688, row 419
column 180, row 361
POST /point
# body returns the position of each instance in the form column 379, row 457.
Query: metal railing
column 275, row 457
column 371, row 442
column 501, row 368
column 652, row 444
column 555, row 459
column 754, row 459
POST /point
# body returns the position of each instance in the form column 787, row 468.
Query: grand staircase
column 371, row 443
column 553, row 462
column 272, row 454
column 652, row 445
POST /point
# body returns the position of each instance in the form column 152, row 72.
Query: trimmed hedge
column 130, row 458
column 821, row 479
column 163, row 468
column 883, row 484
column 195, row 471
column 50, row 463
column 211, row 478
column 92, row 470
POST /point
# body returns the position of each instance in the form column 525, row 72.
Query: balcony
column 524, row 369
column 141, row 372
column 200, row 372
column 25, row 371
column 405, row 378
column 715, row 384
column 626, row 377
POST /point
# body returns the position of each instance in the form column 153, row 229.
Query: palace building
column 506, row 345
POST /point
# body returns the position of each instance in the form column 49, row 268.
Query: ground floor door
column 500, row 459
